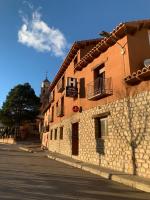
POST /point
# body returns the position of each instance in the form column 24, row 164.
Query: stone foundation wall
column 62, row 146
column 8, row 140
column 129, row 120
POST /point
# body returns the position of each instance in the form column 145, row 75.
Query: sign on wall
column 71, row 88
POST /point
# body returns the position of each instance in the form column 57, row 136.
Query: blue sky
column 35, row 35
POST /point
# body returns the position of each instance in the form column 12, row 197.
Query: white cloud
column 28, row 4
column 37, row 34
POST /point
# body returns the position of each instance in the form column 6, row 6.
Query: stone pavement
column 121, row 177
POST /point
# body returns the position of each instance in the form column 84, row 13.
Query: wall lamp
column 114, row 38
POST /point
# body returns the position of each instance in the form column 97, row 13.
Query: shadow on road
column 26, row 176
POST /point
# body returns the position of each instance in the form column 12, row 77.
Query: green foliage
column 21, row 105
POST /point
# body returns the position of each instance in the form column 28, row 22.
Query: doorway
column 75, row 139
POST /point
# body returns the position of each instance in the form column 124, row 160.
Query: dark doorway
column 75, row 139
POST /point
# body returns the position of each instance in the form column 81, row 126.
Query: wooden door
column 75, row 139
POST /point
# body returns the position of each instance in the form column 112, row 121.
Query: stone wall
column 7, row 140
column 128, row 120
column 62, row 146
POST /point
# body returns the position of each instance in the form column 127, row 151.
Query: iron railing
column 99, row 88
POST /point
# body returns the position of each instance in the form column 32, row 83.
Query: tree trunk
column 134, row 165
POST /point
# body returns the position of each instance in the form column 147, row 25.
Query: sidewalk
column 121, row 177
column 30, row 147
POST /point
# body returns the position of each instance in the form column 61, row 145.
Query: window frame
column 100, row 133
column 51, row 134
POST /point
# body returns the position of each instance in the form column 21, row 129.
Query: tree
column 21, row 105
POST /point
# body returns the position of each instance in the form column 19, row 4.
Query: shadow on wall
column 100, row 146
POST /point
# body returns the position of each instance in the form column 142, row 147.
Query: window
column 62, row 105
column 101, row 86
column 101, row 127
column 47, row 128
column 55, row 137
column 52, row 113
column 99, row 79
column 99, row 71
column 61, row 84
column 82, row 88
column 51, row 135
column 56, row 108
column 53, row 94
column 61, row 133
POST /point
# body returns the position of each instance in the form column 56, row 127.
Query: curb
column 117, row 178
column 26, row 149
column 131, row 183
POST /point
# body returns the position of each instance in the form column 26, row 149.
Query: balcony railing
column 60, row 85
column 59, row 111
column 99, row 88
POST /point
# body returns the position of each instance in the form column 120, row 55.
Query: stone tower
column 44, row 97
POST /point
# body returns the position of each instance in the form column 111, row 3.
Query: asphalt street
column 32, row 176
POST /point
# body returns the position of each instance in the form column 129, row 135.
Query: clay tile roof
column 120, row 31
column 101, row 45
column 74, row 49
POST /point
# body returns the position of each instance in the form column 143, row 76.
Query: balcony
column 60, row 85
column 99, row 88
column 60, row 111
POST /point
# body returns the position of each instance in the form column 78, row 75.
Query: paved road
column 31, row 176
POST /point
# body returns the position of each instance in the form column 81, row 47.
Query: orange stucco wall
column 139, row 49
column 117, row 66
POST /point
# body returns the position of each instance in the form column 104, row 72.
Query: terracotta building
column 99, row 103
